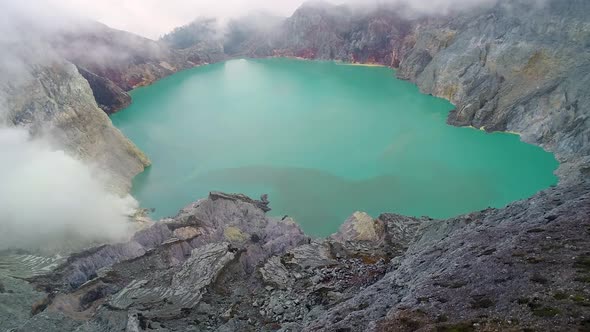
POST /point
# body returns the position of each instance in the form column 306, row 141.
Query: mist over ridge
column 154, row 18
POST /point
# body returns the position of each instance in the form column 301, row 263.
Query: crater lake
column 323, row 140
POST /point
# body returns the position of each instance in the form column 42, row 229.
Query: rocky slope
column 51, row 99
column 121, row 61
column 55, row 81
column 222, row 265
column 324, row 31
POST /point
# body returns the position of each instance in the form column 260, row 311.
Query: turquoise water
column 323, row 140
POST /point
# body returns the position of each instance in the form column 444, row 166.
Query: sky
column 154, row 18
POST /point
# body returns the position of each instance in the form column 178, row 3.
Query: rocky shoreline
column 222, row 265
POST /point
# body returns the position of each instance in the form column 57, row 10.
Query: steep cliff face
column 52, row 99
column 56, row 84
column 513, row 269
column 109, row 96
column 520, row 67
column 324, row 31
column 115, row 61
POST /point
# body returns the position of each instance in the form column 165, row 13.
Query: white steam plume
column 154, row 18
column 49, row 200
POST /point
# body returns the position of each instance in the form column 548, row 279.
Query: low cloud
column 49, row 200
column 154, row 18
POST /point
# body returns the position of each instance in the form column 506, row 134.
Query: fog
column 153, row 18
column 51, row 200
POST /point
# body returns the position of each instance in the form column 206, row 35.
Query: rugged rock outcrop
column 159, row 277
column 109, row 96
column 522, row 267
column 512, row 269
column 56, row 84
column 50, row 98
column 518, row 66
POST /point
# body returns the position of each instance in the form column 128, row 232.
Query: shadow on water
column 320, row 201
